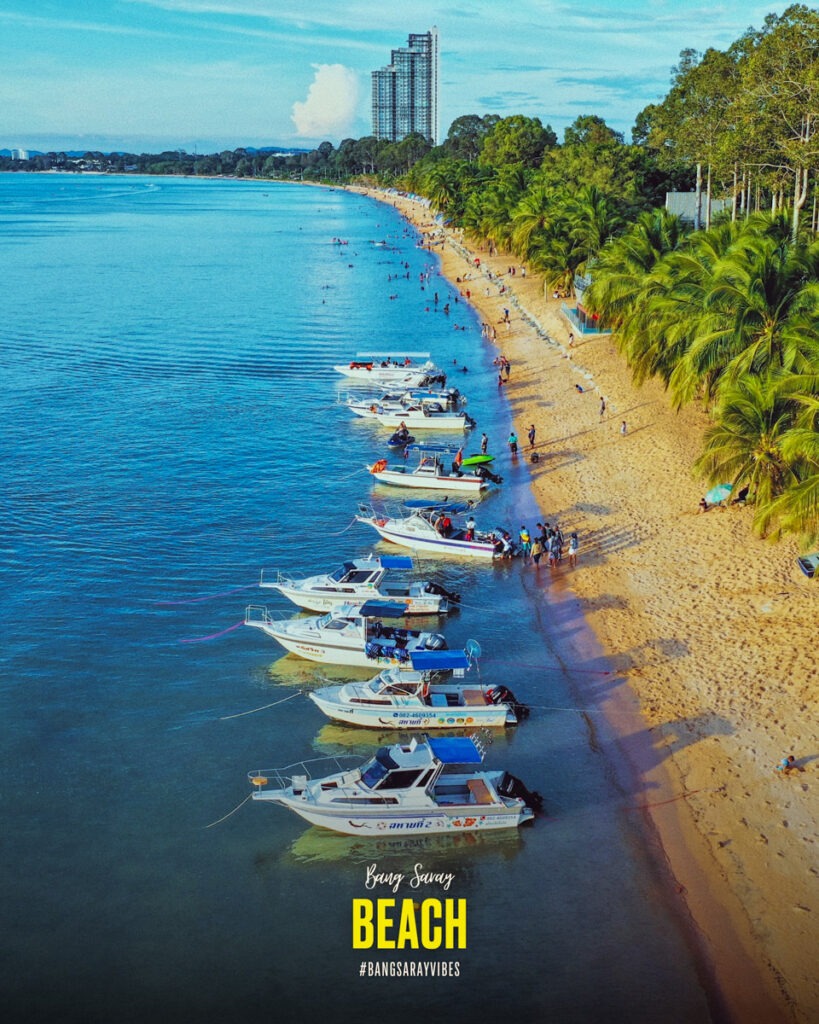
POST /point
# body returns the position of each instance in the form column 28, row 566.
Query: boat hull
column 454, row 819
column 420, row 717
column 438, row 545
column 428, row 482
column 440, row 422
column 318, row 648
column 429, row 604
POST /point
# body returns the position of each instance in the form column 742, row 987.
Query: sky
column 209, row 75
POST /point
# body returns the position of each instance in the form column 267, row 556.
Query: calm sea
column 170, row 426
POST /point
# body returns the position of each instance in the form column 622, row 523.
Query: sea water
column 170, row 427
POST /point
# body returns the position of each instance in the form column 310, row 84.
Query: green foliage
column 516, row 141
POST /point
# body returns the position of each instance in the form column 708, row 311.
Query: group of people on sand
column 548, row 542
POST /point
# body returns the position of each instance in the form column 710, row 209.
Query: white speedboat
column 428, row 699
column 365, row 579
column 369, row 367
column 425, row 785
column 435, row 471
column 425, row 416
column 347, row 635
column 431, row 528
column 368, row 407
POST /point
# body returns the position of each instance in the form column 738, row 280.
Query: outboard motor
column 486, row 474
column 503, row 695
column 436, row 588
column 511, row 786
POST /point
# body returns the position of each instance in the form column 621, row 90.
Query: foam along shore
column 712, row 632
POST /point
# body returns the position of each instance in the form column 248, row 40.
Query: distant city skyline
column 208, row 75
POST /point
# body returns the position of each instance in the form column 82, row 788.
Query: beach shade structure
column 719, row 494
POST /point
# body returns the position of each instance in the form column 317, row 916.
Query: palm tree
column 763, row 317
column 797, row 509
column 746, row 444
column 531, row 218
column 488, row 214
column 659, row 329
column 620, row 272
column 593, row 221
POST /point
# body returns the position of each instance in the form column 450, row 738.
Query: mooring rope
column 235, row 809
column 346, row 528
column 210, row 597
column 241, row 714
column 222, row 632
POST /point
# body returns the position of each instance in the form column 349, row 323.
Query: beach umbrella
column 719, row 493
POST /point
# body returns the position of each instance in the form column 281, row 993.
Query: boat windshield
column 341, row 572
column 373, row 773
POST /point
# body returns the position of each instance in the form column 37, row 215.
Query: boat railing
column 282, row 579
column 260, row 615
column 281, row 778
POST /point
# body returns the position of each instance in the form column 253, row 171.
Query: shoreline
column 709, row 629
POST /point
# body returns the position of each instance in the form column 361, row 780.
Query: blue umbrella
column 719, row 493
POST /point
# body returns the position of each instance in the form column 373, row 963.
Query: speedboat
column 431, row 474
column 394, row 401
column 351, row 634
column 425, row 416
column 424, row 785
column 431, row 698
column 369, row 367
column 365, row 579
column 430, row 528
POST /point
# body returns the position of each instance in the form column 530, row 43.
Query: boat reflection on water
column 320, row 846
column 291, row 670
column 333, row 739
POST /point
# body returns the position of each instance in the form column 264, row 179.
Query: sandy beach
column 712, row 633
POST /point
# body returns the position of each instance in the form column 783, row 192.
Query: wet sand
column 712, row 631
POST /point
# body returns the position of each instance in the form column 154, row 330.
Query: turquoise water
column 170, row 427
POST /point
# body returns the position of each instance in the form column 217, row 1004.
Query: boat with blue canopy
column 349, row 634
column 424, row 785
column 434, row 694
column 362, row 579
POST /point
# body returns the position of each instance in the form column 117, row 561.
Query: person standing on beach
column 573, row 546
column 525, row 544
column 623, row 429
column 602, row 407
column 513, row 443
column 532, row 436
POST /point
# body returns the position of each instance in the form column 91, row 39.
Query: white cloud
column 331, row 104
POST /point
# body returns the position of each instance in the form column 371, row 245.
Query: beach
column 711, row 632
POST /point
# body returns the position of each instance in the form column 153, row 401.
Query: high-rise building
column 405, row 93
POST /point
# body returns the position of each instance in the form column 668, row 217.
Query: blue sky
column 206, row 75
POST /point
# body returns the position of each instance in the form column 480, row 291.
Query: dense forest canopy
column 724, row 310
